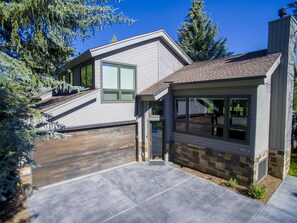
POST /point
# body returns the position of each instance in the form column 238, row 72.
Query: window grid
column 119, row 92
column 226, row 127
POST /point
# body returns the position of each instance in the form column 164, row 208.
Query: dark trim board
column 95, row 126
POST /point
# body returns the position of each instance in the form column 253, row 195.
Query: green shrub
column 257, row 191
column 232, row 182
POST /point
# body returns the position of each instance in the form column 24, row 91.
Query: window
column 180, row 114
column 118, row 82
column 238, row 116
column 64, row 77
column 222, row 117
column 86, row 76
column 206, row 116
column 70, row 77
column 156, row 108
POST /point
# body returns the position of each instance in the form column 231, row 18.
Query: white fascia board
column 141, row 38
column 273, row 67
column 161, row 94
column 72, row 104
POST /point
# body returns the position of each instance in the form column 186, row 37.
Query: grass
column 293, row 166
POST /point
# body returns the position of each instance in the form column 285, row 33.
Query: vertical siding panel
column 282, row 39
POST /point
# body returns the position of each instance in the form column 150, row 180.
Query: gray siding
column 168, row 113
column 168, row 62
column 213, row 143
column 143, row 56
column 282, row 38
column 262, row 118
column 152, row 59
column 76, row 76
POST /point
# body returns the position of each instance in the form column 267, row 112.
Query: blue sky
column 244, row 23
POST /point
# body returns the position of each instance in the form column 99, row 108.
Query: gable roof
column 128, row 42
column 242, row 66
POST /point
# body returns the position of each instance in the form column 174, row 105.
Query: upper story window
column 86, row 76
column 222, row 117
column 118, row 82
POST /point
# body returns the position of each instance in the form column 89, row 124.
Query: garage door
column 84, row 152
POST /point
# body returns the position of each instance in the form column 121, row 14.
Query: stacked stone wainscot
column 217, row 163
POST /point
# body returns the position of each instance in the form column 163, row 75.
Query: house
column 147, row 100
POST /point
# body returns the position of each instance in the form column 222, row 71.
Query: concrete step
column 157, row 162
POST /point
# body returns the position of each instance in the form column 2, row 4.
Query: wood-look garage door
column 84, row 152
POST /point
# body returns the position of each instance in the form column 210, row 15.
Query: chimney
column 281, row 38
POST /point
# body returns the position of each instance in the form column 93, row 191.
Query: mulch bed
column 270, row 182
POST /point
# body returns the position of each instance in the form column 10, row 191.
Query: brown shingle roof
column 248, row 65
column 55, row 101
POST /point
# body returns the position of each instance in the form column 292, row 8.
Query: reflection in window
column 238, row 116
column 209, row 112
column 224, row 117
column 156, row 108
column 180, row 114
column 86, row 76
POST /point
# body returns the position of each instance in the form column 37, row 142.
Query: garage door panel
column 83, row 153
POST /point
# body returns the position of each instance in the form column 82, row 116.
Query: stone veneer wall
column 221, row 164
column 279, row 163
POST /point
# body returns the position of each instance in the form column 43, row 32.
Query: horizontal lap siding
column 83, row 153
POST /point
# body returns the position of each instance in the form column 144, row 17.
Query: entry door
column 157, row 140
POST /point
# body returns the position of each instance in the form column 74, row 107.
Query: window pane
column 205, row 130
column 207, row 110
column 64, row 77
column 238, row 112
column 127, row 96
column 110, row 76
column 127, row 78
column 180, row 109
column 156, row 107
column 83, row 76
column 89, row 76
column 71, row 78
column 110, row 96
column 180, row 126
column 237, row 134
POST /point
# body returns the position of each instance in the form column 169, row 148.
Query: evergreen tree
column 35, row 40
column 197, row 35
column 114, row 39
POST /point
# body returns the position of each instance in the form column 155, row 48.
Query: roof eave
column 128, row 42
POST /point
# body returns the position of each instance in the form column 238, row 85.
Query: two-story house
column 145, row 100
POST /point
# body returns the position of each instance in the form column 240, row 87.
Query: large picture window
column 221, row 117
column 206, row 116
column 86, row 76
column 118, row 82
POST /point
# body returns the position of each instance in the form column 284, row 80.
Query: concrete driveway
column 140, row 193
column 282, row 206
